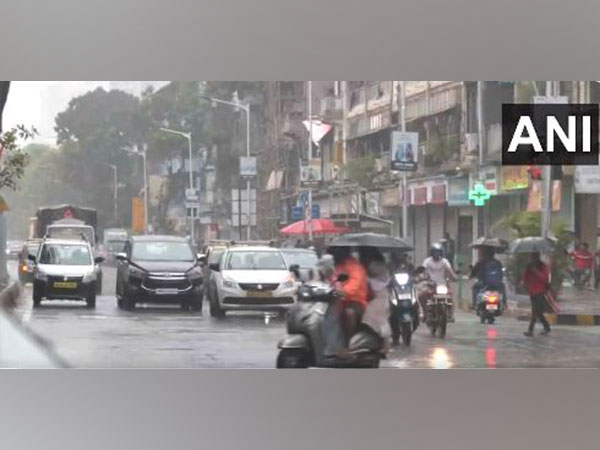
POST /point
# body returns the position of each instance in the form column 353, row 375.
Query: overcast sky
column 36, row 103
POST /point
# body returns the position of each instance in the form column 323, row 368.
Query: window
column 162, row 251
column 255, row 261
column 66, row 254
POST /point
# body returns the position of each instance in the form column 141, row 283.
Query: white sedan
column 253, row 279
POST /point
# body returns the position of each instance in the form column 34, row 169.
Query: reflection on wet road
column 164, row 336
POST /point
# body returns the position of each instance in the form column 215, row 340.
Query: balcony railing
column 439, row 100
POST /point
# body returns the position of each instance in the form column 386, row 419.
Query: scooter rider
column 489, row 273
column 437, row 267
column 353, row 291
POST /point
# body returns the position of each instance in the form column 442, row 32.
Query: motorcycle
column 404, row 308
column 306, row 342
column 439, row 310
column 488, row 305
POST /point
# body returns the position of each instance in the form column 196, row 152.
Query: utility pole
column 547, row 180
column 310, row 155
column 481, row 142
column 404, row 193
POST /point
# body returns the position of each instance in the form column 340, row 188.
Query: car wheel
column 99, row 286
column 91, row 300
column 215, row 309
column 37, row 297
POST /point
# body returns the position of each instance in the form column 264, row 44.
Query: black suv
column 159, row 269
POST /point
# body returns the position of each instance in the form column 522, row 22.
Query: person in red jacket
column 353, row 290
column 537, row 279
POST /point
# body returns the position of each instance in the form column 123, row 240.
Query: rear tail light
column 493, row 298
column 24, row 268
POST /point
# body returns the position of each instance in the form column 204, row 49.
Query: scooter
column 305, row 344
column 404, row 308
column 488, row 305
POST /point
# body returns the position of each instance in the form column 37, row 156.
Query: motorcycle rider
column 489, row 273
column 439, row 268
column 353, row 291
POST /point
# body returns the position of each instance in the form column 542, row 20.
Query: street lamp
column 143, row 155
column 246, row 108
column 188, row 136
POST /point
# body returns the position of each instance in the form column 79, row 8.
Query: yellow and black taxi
column 65, row 269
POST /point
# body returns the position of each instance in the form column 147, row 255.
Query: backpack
column 492, row 273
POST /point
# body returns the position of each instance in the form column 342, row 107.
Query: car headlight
column 41, row 276
column 89, row 277
column 441, row 290
column 289, row 283
column 229, row 284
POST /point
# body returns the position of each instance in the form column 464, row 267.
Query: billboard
column 405, row 151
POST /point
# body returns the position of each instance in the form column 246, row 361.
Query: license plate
column 492, row 307
column 166, row 291
column 404, row 296
column 260, row 294
column 65, row 284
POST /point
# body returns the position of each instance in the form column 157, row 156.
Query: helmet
column 436, row 249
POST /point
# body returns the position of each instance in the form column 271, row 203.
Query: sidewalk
column 576, row 307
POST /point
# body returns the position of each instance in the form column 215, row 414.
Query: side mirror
column 342, row 277
column 31, row 258
column 121, row 257
column 295, row 269
column 214, row 267
column 201, row 257
column 98, row 259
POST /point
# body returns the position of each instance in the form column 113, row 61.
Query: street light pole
column 404, row 193
column 246, row 108
column 188, row 136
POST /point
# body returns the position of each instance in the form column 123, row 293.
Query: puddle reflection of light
column 490, row 357
column 492, row 333
column 440, row 359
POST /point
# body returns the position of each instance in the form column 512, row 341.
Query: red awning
column 319, row 226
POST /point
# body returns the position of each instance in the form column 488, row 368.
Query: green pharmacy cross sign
column 479, row 194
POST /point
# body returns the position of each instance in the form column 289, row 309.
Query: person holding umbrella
column 537, row 281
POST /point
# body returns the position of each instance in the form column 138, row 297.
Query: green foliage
column 361, row 170
column 14, row 159
column 441, row 149
column 525, row 224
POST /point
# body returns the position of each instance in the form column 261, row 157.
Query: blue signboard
column 316, row 212
column 297, row 213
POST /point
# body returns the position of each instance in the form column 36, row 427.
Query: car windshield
column 116, row 246
column 66, row 254
column 65, row 232
column 306, row 260
column 261, row 260
column 162, row 251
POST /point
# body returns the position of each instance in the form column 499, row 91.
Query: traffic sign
column 316, row 211
column 191, row 195
column 297, row 213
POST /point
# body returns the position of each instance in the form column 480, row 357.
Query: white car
column 65, row 269
column 252, row 279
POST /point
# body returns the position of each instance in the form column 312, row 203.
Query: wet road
column 165, row 337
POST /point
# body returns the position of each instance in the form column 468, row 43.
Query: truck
column 66, row 222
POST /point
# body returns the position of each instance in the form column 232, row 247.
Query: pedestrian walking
column 537, row 281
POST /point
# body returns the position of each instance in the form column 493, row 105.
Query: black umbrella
column 499, row 245
column 370, row 240
column 533, row 244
